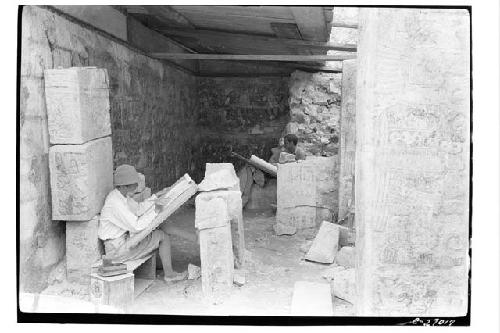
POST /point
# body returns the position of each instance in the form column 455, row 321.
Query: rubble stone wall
column 152, row 109
column 314, row 103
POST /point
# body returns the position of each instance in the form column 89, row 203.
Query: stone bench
column 121, row 290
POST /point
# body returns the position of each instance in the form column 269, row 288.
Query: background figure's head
column 291, row 143
column 126, row 179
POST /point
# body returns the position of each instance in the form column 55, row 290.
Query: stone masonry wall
column 244, row 115
column 152, row 108
column 412, row 162
column 314, row 103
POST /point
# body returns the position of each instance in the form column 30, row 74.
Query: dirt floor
column 274, row 264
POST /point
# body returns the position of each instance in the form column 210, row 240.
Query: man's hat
column 125, row 175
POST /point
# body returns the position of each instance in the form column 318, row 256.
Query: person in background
column 290, row 144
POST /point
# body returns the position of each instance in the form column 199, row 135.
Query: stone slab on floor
column 82, row 249
column 81, row 176
column 325, row 245
column 217, row 261
column 311, row 299
column 344, row 284
column 77, row 104
column 233, row 202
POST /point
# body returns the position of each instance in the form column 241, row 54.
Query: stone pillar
column 307, row 192
column 412, row 162
column 212, row 219
column 347, row 149
column 80, row 160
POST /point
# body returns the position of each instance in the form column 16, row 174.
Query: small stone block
column 346, row 257
column 117, row 291
column 325, row 245
column 239, row 278
column 194, row 272
column 219, row 176
column 77, row 101
column 217, row 261
column 80, row 176
column 211, row 212
column 214, row 167
column 311, row 299
column 82, row 249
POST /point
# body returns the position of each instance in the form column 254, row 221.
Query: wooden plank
column 168, row 15
column 228, row 38
column 241, row 68
column 275, row 13
column 340, row 24
column 311, row 23
column 286, row 30
column 250, row 57
column 151, row 41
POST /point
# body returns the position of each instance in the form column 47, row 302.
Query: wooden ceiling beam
column 251, row 57
column 228, row 37
column 168, row 15
column 311, row 22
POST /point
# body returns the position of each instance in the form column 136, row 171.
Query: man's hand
column 158, row 206
column 162, row 192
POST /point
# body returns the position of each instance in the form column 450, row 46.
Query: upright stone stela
column 307, row 192
column 80, row 159
column 412, row 162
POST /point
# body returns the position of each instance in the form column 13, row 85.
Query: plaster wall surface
column 412, row 162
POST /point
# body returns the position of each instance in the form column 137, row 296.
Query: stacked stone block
column 80, row 159
column 307, row 192
column 220, row 222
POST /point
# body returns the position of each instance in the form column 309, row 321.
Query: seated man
column 120, row 217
